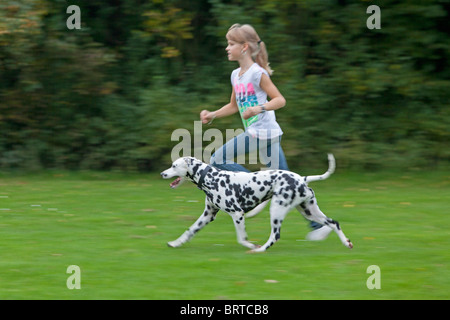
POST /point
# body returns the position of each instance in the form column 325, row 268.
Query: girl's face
column 234, row 50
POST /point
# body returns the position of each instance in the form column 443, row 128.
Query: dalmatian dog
column 239, row 192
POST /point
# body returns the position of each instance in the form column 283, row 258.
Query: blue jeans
column 270, row 153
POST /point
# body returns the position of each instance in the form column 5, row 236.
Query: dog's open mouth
column 175, row 183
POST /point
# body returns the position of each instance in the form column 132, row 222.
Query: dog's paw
column 259, row 249
column 349, row 244
column 250, row 245
column 173, row 244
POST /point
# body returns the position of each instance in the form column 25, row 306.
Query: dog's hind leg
column 207, row 216
column 311, row 211
column 320, row 232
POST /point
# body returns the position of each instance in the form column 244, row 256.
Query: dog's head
column 181, row 169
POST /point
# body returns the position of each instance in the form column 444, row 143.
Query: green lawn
column 115, row 228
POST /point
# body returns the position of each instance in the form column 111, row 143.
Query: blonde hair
column 247, row 34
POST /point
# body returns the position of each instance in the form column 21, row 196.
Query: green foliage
column 108, row 96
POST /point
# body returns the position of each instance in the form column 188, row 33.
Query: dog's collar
column 202, row 177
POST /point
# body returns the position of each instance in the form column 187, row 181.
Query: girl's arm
column 276, row 102
column 228, row 109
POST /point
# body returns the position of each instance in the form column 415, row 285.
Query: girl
column 251, row 85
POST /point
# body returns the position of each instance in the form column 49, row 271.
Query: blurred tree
column 110, row 94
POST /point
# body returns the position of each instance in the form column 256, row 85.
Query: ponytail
column 261, row 57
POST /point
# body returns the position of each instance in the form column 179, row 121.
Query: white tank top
column 249, row 94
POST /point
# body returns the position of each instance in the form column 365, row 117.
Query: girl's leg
column 267, row 148
column 272, row 154
column 224, row 157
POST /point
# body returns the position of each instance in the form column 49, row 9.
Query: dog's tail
column 326, row 175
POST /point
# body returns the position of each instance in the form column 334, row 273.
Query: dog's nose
column 163, row 174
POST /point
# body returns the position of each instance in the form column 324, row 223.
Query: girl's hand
column 250, row 112
column 206, row 116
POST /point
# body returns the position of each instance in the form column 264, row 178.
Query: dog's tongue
column 175, row 182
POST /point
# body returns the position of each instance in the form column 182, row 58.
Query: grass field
column 115, row 228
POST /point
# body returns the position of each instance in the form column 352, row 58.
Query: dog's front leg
column 239, row 224
column 277, row 215
column 207, row 216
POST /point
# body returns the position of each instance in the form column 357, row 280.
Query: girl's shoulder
column 235, row 72
column 255, row 69
column 259, row 70
column 234, row 75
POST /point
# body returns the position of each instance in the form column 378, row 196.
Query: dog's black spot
column 247, row 192
column 293, row 195
column 209, row 195
column 214, row 185
column 289, row 178
column 301, row 190
column 275, row 221
column 338, row 226
column 236, row 188
column 277, row 236
column 307, row 212
column 329, row 221
column 195, row 168
column 229, row 203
